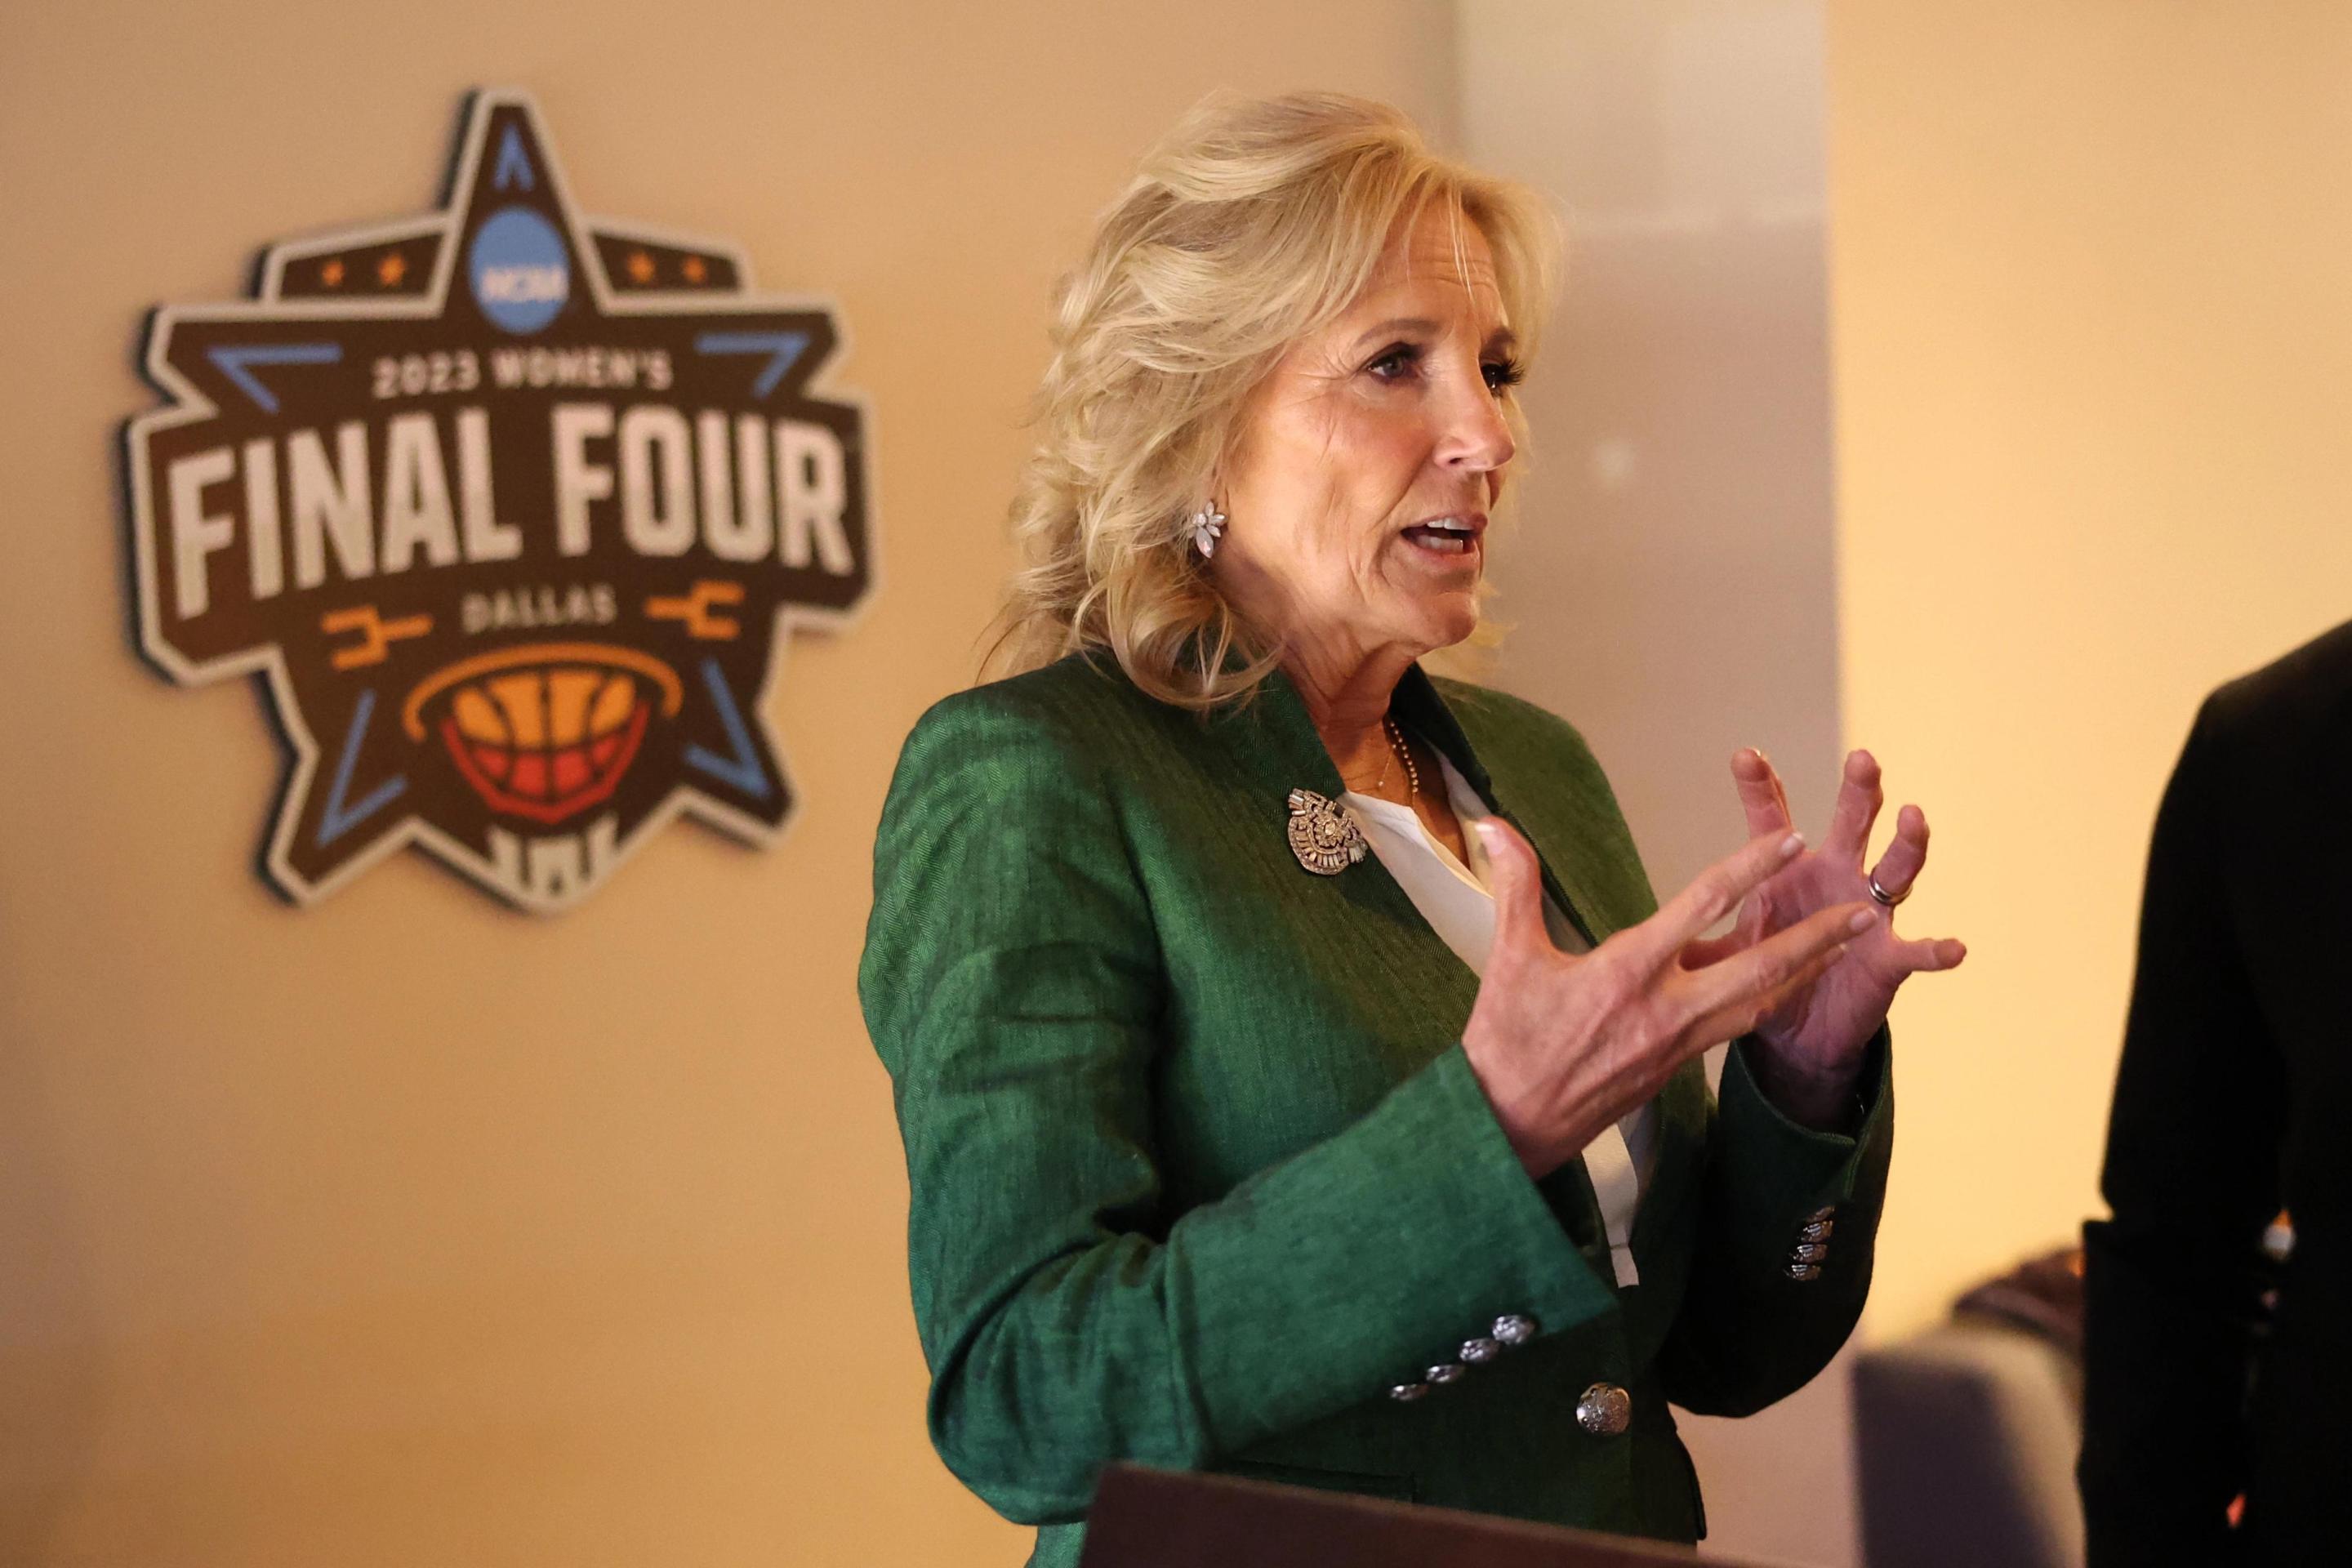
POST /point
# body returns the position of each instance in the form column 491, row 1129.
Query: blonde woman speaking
column 1298, row 1076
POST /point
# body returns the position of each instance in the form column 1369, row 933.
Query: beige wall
column 406, row 1229
column 2093, row 329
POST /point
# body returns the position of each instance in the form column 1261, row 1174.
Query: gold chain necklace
column 1396, row 749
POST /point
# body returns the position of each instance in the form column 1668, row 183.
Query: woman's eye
column 1402, row 362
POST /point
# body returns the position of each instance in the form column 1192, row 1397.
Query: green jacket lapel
column 1421, row 708
column 1270, row 741
column 1575, row 864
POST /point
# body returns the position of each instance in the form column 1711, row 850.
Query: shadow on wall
column 1671, row 579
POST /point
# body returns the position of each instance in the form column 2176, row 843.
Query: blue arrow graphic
column 338, row 819
column 742, row 770
column 514, row 163
column 233, row 358
column 783, row 349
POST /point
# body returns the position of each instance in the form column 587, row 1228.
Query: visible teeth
column 1444, row 535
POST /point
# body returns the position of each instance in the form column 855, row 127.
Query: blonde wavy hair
column 1251, row 225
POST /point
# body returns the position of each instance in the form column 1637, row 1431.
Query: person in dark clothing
column 2201, row 1385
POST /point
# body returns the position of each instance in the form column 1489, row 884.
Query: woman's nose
column 1476, row 439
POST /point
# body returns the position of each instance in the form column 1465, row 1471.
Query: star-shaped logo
column 513, row 530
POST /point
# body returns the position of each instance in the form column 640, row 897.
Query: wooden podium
column 1174, row 1519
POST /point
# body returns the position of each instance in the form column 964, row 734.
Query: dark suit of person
column 2237, row 1067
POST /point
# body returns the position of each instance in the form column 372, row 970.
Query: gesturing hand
column 1813, row 1037
column 1565, row 1045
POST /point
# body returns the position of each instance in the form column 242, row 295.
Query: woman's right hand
column 1564, row 1044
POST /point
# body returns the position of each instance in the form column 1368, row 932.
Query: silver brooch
column 1323, row 834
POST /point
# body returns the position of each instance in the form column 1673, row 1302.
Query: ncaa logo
column 519, row 269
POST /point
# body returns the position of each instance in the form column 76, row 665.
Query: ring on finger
column 1881, row 896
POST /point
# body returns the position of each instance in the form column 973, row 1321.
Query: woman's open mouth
column 1446, row 535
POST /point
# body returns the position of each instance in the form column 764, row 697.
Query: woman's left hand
column 1812, row 1044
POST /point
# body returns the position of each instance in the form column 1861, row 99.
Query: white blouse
column 1453, row 898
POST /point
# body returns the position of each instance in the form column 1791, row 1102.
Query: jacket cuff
column 1782, row 1171
column 1418, row 1226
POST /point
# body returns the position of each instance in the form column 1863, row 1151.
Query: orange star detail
column 330, row 273
column 641, row 267
column 693, row 269
column 392, row 269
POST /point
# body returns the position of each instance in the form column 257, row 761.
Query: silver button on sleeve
column 1516, row 1329
column 1406, row 1393
column 1481, row 1349
column 1445, row 1371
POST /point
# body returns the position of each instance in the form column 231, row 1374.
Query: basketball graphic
column 545, row 731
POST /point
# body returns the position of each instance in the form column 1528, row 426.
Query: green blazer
column 1199, row 1171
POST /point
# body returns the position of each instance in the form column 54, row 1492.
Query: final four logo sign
column 514, row 510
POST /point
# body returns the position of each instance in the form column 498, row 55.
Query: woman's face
column 1369, row 460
